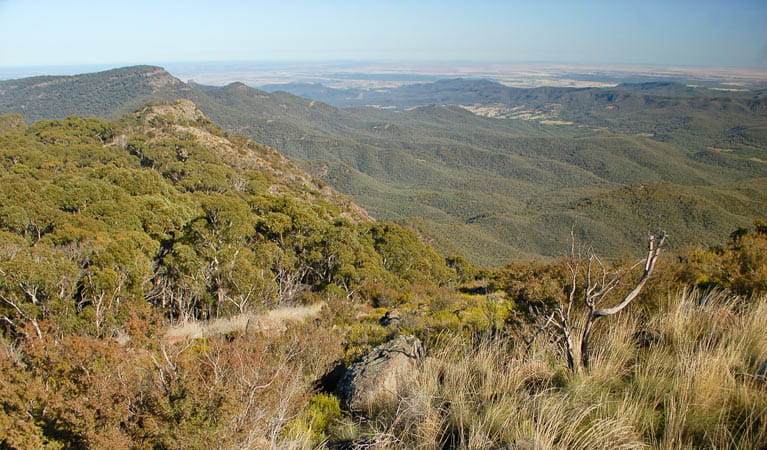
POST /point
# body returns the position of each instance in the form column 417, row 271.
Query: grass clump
column 691, row 388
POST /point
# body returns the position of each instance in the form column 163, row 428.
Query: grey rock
column 375, row 380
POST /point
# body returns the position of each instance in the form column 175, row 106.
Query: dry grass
column 693, row 388
column 272, row 321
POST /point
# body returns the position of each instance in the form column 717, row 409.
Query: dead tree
column 29, row 318
column 591, row 281
column 593, row 299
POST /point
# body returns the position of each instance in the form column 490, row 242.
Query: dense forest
column 613, row 162
column 121, row 240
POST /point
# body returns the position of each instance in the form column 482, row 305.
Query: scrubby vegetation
column 691, row 386
column 679, row 369
column 114, row 233
column 740, row 266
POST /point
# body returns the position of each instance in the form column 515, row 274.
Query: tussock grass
column 691, row 388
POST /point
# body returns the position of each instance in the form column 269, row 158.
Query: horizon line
column 332, row 61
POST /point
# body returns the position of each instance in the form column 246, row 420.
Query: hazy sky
column 111, row 32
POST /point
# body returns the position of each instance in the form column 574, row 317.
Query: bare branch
column 652, row 257
column 32, row 320
column 595, row 314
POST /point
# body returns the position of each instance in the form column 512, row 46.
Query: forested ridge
column 164, row 203
column 614, row 162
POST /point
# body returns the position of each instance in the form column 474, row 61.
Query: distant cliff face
column 160, row 78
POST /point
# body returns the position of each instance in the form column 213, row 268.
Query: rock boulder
column 383, row 372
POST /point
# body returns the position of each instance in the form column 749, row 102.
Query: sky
column 113, row 33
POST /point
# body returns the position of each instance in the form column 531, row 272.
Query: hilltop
column 107, row 94
column 499, row 173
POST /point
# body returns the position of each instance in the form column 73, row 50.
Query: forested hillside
column 111, row 231
column 163, row 205
column 610, row 162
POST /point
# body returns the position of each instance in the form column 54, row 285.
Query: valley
column 488, row 171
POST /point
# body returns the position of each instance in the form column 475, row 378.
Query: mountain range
column 478, row 168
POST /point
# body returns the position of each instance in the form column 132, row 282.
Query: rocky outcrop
column 375, row 381
column 392, row 318
column 180, row 110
